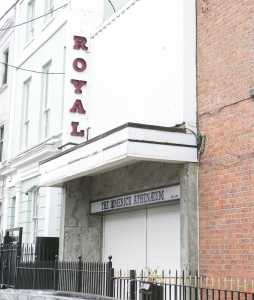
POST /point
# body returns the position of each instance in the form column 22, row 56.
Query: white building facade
column 96, row 154
column 34, row 122
column 6, row 79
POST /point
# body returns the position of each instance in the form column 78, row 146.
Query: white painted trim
column 119, row 148
column 30, row 157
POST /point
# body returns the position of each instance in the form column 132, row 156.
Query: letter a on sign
column 78, row 107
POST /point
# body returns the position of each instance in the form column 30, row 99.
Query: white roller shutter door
column 143, row 238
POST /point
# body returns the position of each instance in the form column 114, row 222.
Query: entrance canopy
column 121, row 146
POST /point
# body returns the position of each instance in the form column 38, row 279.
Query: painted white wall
column 33, row 55
column 53, row 212
column 5, row 5
column 138, row 70
column 82, row 21
column 55, row 99
column 189, row 63
column 6, row 42
column 42, row 205
column 49, row 209
column 141, row 68
column 47, row 45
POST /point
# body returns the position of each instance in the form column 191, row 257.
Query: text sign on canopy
column 158, row 195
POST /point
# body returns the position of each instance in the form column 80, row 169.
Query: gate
column 8, row 259
column 10, row 250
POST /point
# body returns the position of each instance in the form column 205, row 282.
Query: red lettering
column 75, row 131
column 80, row 43
column 78, row 84
column 78, row 107
column 79, row 64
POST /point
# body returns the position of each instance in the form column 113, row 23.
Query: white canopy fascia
column 121, row 146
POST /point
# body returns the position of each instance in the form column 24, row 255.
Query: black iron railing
column 167, row 287
column 8, row 260
column 72, row 276
column 20, row 268
column 25, row 271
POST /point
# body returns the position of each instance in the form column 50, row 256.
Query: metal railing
column 21, row 268
column 25, row 271
column 165, row 286
column 72, row 276
column 8, row 259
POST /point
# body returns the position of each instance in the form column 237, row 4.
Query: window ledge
column 3, row 87
column 47, row 23
column 51, row 138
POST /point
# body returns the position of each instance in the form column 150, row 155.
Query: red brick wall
column 226, row 176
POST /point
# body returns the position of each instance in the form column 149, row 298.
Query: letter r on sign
column 80, row 43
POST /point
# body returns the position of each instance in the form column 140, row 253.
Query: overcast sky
column 4, row 5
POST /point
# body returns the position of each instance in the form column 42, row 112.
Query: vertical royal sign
column 79, row 65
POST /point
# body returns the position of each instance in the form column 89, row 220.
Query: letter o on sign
column 79, row 64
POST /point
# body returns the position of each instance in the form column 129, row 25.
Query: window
column 25, row 118
column 11, row 212
column 5, row 66
column 49, row 7
column 30, row 16
column 45, row 109
column 1, row 142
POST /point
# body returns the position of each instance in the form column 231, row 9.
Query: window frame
column 12, row 212
column 48, row 9
column 45, row 103
column 2, row 132
column 35, row 212
column 25, row 113
column 6, row 54
column 30, row 15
